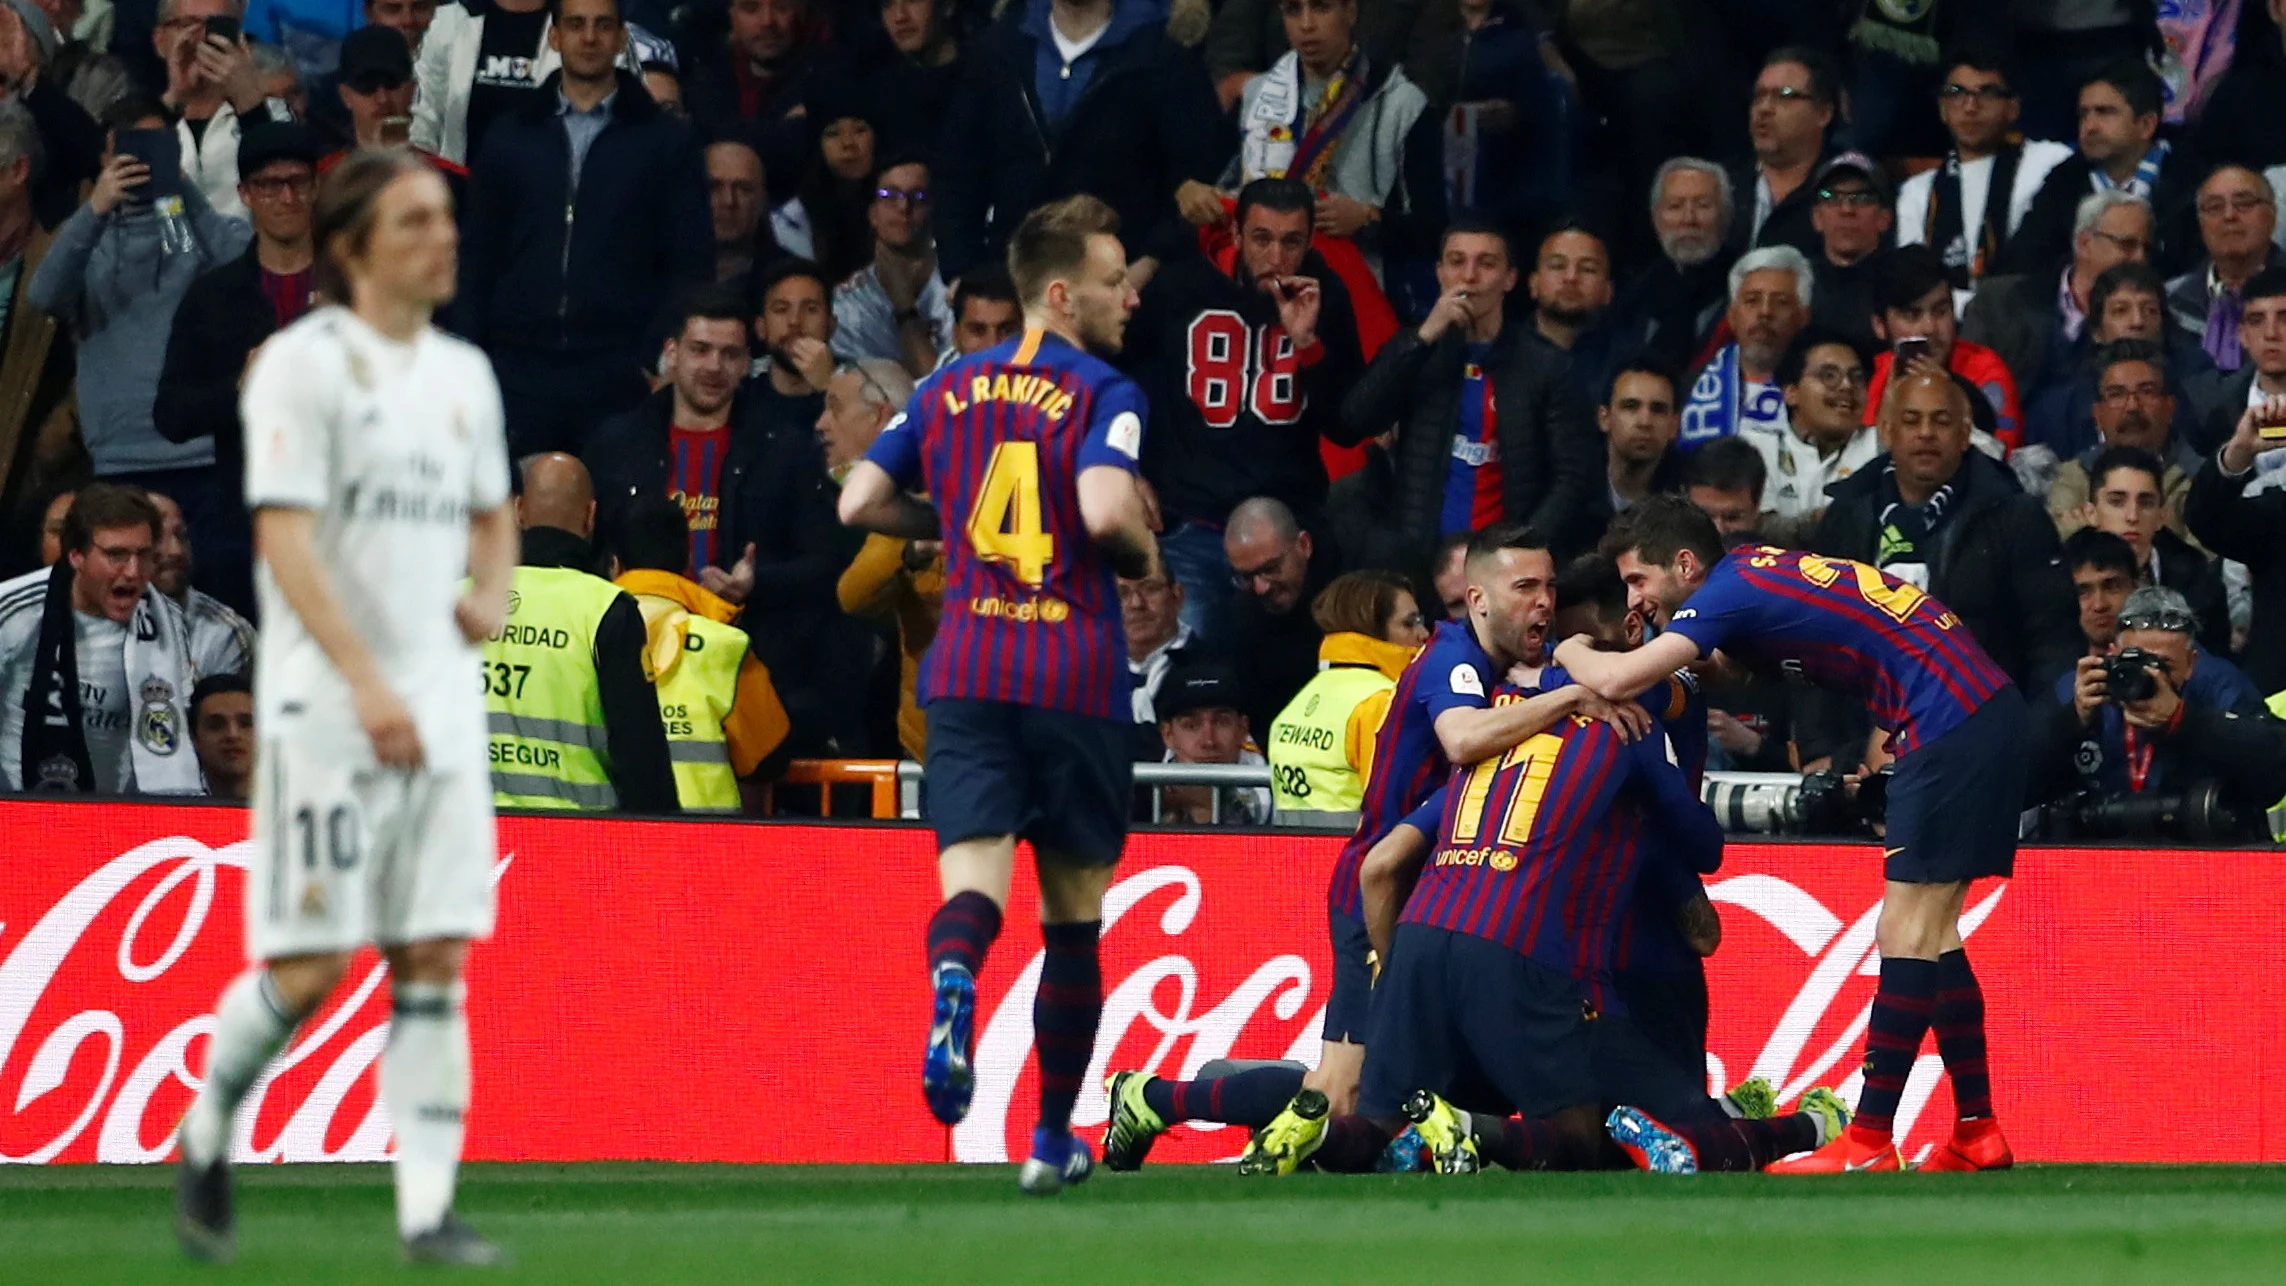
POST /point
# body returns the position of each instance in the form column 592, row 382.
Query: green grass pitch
column 615, row 1223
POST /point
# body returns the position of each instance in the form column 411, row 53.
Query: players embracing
column 1441, row 714
column 1956, row 725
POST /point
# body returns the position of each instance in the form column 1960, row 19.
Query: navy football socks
column 1064, row 1016
column 1734, row 1146
column 1252, row 1098
column 962, row 930
column 1901, row 1008
column 1959, row 1020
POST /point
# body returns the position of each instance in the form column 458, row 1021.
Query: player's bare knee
column 303, row 982
column 1917, row 920
column 433, row 960
column 982, row 865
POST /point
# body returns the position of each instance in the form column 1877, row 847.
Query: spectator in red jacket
column 1914, row 301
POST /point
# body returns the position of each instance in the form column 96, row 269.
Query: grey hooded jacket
column 109, row 278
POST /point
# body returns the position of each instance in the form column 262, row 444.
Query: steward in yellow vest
column 1320, row 746
column 724, row 721
column 574, row 719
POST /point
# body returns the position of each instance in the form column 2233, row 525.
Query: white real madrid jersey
column 392, row 446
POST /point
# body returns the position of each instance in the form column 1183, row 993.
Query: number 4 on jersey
column 1004, row 523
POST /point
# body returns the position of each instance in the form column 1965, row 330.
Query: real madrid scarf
column 2146, row 176
column 54, row 752
column 1965, row 261
column 1904, row 29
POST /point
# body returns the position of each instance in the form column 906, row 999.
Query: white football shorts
column 345, row 853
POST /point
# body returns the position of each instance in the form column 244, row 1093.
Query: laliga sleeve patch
column 1126, row 435
column 1466, row 679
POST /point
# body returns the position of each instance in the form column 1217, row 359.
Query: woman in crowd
column 1321, row 745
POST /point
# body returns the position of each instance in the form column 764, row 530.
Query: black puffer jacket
column 1551, row 456
column 1998, row 564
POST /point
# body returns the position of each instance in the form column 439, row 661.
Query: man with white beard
column 1672, row 306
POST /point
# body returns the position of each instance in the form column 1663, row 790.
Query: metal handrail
column 910, row 775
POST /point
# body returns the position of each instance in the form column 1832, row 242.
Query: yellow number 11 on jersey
column 1004, row 523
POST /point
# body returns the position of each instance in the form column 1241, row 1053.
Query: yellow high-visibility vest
column 696, row 690
column 1320, row 747
column 541, row 695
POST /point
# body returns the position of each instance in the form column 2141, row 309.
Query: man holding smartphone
column 214, row 90
column 2251, row 529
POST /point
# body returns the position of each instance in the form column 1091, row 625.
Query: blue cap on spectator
column 38, row 27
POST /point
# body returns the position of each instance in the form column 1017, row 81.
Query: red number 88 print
column 1233, row 366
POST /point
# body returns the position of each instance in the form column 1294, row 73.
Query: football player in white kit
column 378, row 475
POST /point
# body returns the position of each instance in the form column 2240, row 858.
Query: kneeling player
column 373, row 809
column 1956, row 723
column 1490, row 985
column 1440, row 713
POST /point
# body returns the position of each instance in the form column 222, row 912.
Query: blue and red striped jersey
column 1848, row 627
column 1650, row 937
column 1538, row 849
column 1452, row 672
column 694, row 478
column 1474, row 498
column 998, row 440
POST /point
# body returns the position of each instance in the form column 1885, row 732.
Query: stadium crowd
column 1406, row 270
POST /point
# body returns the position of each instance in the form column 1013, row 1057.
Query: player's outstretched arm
column 1118, row 518
column 1623, row 676
column 1387, row 879
column 1472, row 734
column 286, row 540
column 872, row 500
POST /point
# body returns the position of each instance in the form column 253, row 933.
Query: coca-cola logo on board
column 151, row 933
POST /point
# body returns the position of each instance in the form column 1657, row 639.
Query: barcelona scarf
column 1320, row 127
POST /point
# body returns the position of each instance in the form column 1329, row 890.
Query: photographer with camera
column 2156, row 738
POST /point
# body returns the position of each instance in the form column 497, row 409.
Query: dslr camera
column 2131, row 674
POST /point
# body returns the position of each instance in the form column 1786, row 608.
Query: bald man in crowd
column 575, row 721
column 1277, row 570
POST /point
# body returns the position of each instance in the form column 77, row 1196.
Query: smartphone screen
column 223, row 26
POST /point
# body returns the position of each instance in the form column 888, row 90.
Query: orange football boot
column 1849, row 1154
column 1975, row 1145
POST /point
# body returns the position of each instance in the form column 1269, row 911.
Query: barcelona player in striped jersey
column 1498, row 962
column 1440, row 714
column 1955, row 723
column 1651, row 1048
column 1029, row 451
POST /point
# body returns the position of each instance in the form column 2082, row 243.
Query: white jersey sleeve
column 488, row 476
column 289, row 406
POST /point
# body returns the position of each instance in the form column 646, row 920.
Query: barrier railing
column 879, row 775
column 1155, row 777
